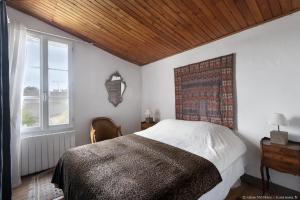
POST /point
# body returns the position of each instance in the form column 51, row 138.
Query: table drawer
column 281, row 150
column 281, row 166
column 282, row 158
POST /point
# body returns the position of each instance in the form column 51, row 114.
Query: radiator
column 42, row 152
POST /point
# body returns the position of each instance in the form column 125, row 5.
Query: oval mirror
column 115, row 87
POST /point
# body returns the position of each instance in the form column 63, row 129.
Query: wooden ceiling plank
column 296, row 4
column 108, row 19
column 254, row 9
column 181, row 10
column 157, row 20
column 72, row 32
column 143, row 31
column 178, row 21
column 179, row 25
column 243, row 7
column 108, row 24
column 80, row 21
column 212, row 6
column 275, row 7
column 286, row 5
column 200, row 19
column 265, row 9
column 161, row 21
column 121, row 45
column 108, row 42
column 34, row 7
column 127, row 18
column 201, row 15
column 162, row 41
column 167, row 35
column 100, row 27
column 138, row 28
column 207, row 12
column 228, row 15
column 236, row 13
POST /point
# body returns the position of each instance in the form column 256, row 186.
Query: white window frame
column 44, row 127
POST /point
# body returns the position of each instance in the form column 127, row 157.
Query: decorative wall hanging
column 204, row 91
column 115, row 87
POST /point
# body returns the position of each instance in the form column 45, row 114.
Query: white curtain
column 17, row 47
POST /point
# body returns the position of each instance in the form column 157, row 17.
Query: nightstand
column 145, row 125
column 283, row 158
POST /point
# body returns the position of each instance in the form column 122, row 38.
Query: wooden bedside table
column 283, row 158
column 145, row 125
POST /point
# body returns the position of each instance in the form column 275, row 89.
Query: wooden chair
column 103, row 128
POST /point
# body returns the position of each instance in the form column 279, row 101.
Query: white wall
column 91, row 66
column 267, row 80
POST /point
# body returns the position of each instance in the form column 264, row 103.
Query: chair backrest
column 103, row 128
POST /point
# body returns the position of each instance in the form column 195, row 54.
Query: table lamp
column 149, row 119
column 278, row 137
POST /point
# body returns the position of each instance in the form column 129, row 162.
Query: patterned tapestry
column 204, row 91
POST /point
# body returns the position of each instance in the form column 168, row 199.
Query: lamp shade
column 147, row 113
column 278, row 119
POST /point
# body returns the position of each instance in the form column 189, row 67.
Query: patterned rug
column 44, row 189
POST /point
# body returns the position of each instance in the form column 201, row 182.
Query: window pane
column 58, row 110
column 58, row 83
column 31, row 112
column 58, row 97
column 57, row 55
column 33, row 51
column 31, row 93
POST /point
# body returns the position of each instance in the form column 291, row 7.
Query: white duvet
column 216, row 143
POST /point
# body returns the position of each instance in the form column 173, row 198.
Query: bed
column 201, row 158
column 185, row 139
column 214, row 142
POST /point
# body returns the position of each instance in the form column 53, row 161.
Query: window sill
column 46, row 133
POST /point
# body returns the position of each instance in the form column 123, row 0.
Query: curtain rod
column 51, row 34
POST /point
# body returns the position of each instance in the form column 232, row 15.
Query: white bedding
column 229, row 177
column 216, row 143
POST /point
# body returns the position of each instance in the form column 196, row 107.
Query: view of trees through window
column 40, row 106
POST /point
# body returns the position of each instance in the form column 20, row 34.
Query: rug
column 44, row 189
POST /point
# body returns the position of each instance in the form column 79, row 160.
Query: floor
column 38, row 187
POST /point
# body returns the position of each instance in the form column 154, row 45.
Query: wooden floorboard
column 26, row 190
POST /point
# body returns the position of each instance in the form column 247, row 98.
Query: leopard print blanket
column 133, row 167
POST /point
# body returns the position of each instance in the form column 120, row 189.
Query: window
column 46, row 105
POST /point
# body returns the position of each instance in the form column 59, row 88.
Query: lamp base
column 279, row 137
column 149, row 119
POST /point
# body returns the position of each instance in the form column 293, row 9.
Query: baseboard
column 256, row 182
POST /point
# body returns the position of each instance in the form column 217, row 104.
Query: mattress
column 216, row 143
column 229, row 177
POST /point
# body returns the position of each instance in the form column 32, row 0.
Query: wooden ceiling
column 143, row 31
